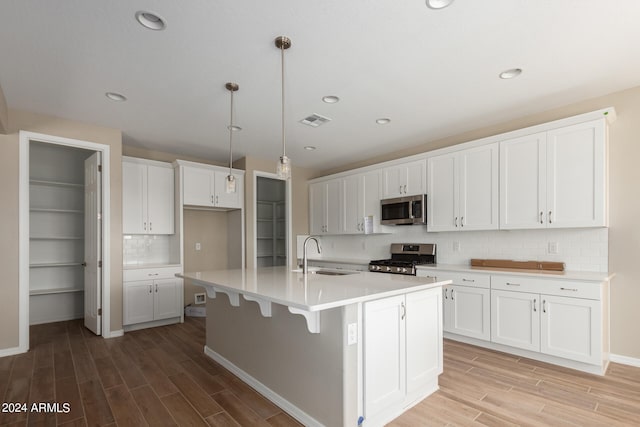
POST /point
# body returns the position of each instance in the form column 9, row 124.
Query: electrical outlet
column 199, row 298
column 456, row 246
column 352, row 333
column 553, row 247
column 198, row 246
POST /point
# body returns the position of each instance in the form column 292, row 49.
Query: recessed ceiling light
column 383, row 121
column 150, row 20
column 330, row 99
column 114, row 96
column 234, row 128
column 510, row 74
column 438, row 4
column 309, row 147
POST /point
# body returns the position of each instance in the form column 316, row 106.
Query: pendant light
column 230, row 182
column 284, row 165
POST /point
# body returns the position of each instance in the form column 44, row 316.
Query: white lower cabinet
column 402, row 352
column 559, row 318
column 151, row 295
column 467, row 311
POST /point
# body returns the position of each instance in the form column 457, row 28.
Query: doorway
column 64, row 188
column 271, row 220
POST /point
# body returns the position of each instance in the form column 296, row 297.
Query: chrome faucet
column 305, row 269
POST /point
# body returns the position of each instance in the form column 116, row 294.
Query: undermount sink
column 333, row 272
column 316, row 270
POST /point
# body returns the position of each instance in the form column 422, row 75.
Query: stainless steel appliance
column 404, row 210
column 405, row 257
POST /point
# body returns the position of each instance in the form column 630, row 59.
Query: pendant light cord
column 282, row 75
column 231, row 135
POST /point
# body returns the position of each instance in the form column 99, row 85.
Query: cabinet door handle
column 513, row 284
column 216, row 200
column 461, row 221
column 550, row 217
column 452, row 298
column 156, row 288
column 144, row 226
column 150, row 288
column 400, row 190
column 150, row 226
column 541, row 221
column 405, row 189
column 534, row 304
column 153, row 274
column 569, row 289
column 211, row 199
column 404, row 311
column 445, row 293
column 468, row 280
column 455, row 221
column 544, row 305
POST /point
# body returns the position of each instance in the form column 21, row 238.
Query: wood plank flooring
column 484, row 387
column 160, row 377
column 154, row 377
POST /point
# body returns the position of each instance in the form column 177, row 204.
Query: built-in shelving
column 56, row 232
column 270, row 233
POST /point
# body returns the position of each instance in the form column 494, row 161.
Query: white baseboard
column 116, row 334
column 274, row 397
column 11, row 351
column 625, row 360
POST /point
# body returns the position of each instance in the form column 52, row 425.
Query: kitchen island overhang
column 314, row 367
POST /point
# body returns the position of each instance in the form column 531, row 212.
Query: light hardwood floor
column 161, row 377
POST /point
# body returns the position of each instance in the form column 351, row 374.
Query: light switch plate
column 198, row 246
column 553, row 248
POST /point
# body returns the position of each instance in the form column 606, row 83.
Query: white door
column 478, row 186
column 415, row 178
column 317, row 207
column 515, row 319
column 137, row 303
column 393, row 180
column 197, row 186
column 353, row 201
column 166, row 299
column 384, row 354
column 469, row 312
column 160, row 207
column 576, row 168
column 134, row 198
column 442, row 193
column 93, row 245
column 523, row 182
column 423, row 337
column 571, row 328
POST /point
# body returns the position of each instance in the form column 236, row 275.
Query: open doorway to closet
column 63, row 188
column 271, row 221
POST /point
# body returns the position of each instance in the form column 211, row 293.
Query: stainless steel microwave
column 404, row 210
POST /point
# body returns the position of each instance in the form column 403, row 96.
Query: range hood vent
column 315, row 120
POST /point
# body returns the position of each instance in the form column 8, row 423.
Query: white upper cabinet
column 204, row 186
column 325, row 207
column 406, row 179
column 463, row 190
column 147, row 197
column 555, row 178
column 361, row 197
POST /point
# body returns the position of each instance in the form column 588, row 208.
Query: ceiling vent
column 315, row 120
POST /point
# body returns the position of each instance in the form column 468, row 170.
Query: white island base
column 367, row 347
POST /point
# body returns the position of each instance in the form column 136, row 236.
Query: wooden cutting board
column 527, row 265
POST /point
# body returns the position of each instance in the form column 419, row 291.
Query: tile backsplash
column 580, row 249
column 146, row 249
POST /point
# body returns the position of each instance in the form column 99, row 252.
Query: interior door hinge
column 99, row 168
column 99, row 312
column 99, row 264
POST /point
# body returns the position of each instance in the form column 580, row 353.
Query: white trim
column 274, row 397
column 116, row 334
column 23, row 215
column 256, row 173
column 11, row 351
column 624, row 360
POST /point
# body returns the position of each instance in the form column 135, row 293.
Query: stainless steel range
column 405, row 257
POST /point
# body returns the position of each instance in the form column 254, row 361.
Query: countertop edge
column 588, row 276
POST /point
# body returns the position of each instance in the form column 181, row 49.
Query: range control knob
column 404, row 269
column 388, row 269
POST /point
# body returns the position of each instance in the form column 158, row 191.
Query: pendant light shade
column 284, row 164
column 230, row 181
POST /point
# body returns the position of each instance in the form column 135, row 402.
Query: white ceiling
column 434, row 73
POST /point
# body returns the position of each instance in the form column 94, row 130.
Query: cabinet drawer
column 150, row 273
column 466, row 279
column 567, row 288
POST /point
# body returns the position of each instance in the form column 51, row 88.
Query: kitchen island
column 330, row 349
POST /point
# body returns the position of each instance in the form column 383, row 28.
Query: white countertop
column 312, row 292
column 568, row 275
